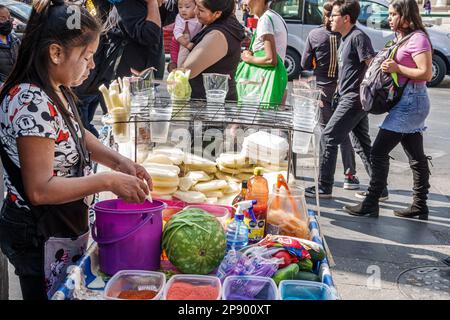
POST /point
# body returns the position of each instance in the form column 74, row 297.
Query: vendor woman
column 217, row 47
column 46, row 153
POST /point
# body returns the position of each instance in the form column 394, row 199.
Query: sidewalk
column 371, row 255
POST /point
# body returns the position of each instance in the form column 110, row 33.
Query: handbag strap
column 273, row 26
column 393, row 51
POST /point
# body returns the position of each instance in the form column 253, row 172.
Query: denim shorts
column 408, row 116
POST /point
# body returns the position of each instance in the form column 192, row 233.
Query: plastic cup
column 249, row 91
column 216, row 87
column 120, row 126
column 142, row 92
column 159, row 126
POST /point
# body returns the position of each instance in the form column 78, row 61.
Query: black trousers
column 347, row 152
column 385, row 142
column 348, row 117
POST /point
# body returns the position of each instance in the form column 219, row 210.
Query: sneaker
column 363, row 195
column 311, row 193
column 351, row 182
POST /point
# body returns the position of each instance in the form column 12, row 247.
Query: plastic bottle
column 258, row 189
column 240, row 197
column 237, row 230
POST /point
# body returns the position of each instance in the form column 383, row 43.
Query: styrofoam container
column 249, row 288
column 304, row 290
column 267, row 140
column 135, row 280
column 196, row 280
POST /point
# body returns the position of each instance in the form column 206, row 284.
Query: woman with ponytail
column 46, row 153
column 405, row 122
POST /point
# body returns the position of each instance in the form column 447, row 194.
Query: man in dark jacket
column 136, row 41
column 9, row 44
column 141, row 23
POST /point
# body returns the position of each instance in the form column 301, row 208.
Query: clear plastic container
column 195, row 287
column 135, row 280
column 120, row 125
column 288, row 212
column 301, row 142
column 221, row 212
column 304, row 290
column 249, row 288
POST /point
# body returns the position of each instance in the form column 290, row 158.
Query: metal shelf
column 264, row 115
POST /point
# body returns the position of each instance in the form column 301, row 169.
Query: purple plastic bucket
column 128, row 235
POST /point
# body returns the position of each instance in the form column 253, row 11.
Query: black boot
column 421, row 176
column 368, row 208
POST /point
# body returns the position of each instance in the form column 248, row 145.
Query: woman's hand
column 128, row 187
column 390, row 66
column 131, row 168
column 246, row 56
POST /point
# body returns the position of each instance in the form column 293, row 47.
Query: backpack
column 380, row 91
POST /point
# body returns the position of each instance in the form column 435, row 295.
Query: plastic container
column 216, row 87
column 258, row 189
column 221, row 212
column 288, row 212
column 197, row 282
column 304, row 290
column 249, row 288
column 301, row 142
column 237, row 233
column 159, row 127
column 120, row 125
column 135, row 280
column 128, row 235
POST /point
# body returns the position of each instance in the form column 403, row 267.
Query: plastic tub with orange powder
column 193, row 287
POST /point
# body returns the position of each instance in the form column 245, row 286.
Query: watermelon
column 194, row 241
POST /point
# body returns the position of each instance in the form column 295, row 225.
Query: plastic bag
column 287, row 213
column 251, row 260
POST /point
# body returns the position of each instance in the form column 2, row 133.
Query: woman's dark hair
column 50, row 22
column 409, row 12
column 226, row 6
column 350, row 8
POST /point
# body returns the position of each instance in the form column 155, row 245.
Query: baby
column 186, row 27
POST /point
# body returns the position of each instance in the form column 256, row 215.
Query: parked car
column 20, row 12
column 303, row 15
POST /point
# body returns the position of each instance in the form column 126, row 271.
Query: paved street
column 360, row 247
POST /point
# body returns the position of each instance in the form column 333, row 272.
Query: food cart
column 140, row 135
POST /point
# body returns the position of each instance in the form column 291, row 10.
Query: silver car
column 302, row 16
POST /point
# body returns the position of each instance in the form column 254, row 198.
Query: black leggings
column 385, row 142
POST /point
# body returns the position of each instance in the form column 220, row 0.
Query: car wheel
column 439, row 71
column 292, row 64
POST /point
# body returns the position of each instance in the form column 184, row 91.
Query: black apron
column 59, row 232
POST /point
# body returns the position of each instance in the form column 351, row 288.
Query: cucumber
column 305, row 265
column 308, row 276
column 317, row 256
column 287, row 273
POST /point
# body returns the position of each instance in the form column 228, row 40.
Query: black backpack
column 380, row 91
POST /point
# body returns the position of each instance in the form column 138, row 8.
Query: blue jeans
column 88, row 106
